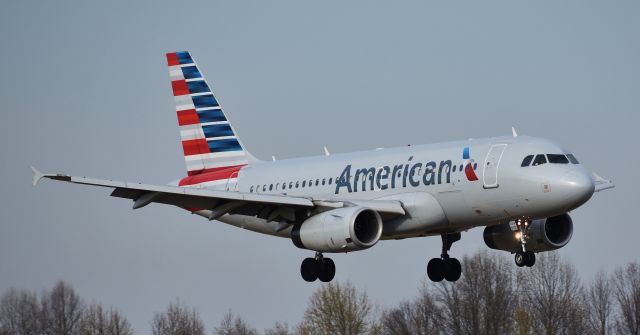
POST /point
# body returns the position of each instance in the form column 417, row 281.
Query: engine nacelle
column 339, row 230
column 544, row 235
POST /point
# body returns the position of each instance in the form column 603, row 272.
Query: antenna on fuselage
column 513, row 131
column 273, row 158
column 326, row 151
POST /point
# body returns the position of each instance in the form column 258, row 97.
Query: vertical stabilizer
column 208, row 140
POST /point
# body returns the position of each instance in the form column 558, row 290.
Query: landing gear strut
column 524, row 257
column 445, row 267
column 318, row 268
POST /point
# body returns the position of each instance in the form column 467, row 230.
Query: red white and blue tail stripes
column 209, row 142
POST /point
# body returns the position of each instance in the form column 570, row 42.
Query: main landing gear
column 445, row 267
column 524, row 257
column 318, row 268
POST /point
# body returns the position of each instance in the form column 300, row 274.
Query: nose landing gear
column 318, row 268
column 445, row 267
column 524, row 257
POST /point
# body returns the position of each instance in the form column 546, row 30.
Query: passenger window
column 290, row 185
column 317, row 182
column 557, row 159
column 527, row 161
column 539, row 160
column 454, row 168
column 264, row 188
column 572, row 159
column 461, row 167
column 251, row 189
column 271, row 187
column 324, row 180
column 330, row 180
column 297, row 184
column 304, row 183
column 475, row 166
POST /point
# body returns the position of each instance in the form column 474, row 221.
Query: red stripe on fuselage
column 179, row 87
column 195, row 147
column 187, row 117
column 207, row 175
column 172, row 59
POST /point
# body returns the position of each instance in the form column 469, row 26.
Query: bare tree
column 234, row 325
column 278, row 329
column 20, row 313
column 97, row 321
column 600, row 304
column 481, row 301
column 627, row 293
column 62, row 310
column 177, row 320
column 422, row 316
column 554, row 296
column 339, row 309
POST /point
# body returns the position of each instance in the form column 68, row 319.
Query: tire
column 309, row 269
column 452, row 269
column 520, row 259
column 530, row 258
column 435, row 269
column 327, row 270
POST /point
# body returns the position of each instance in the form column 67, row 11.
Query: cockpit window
column 527, row 160
column 572, row 159
column 557, row 159
column 540, row 159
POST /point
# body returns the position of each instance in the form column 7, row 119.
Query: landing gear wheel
column 452, row 269
column 436, row 269
column 309, row 269
column 327, row 270
column 529, row 258
column 520, row 259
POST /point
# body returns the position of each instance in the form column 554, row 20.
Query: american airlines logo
column 402, row 175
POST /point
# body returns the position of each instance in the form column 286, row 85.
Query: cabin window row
column 291, row 185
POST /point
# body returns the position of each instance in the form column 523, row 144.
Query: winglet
column 513, row 131
column 37, row 175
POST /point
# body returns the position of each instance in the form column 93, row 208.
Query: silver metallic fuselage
column 504, row 190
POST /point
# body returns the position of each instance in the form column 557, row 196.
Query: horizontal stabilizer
column 600, row 183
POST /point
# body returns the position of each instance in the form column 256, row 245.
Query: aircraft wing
column 267, row 206
column 600, row 183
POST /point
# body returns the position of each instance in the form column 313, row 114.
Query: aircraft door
column 232, row 185
column 491, row 165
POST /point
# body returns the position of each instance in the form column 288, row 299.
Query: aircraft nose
column 578, row 187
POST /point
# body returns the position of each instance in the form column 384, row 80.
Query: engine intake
column 339, row 230
column 545, row 235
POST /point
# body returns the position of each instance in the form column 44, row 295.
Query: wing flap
column 271, row 206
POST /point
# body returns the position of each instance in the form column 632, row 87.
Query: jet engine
column 339, row 230
column 544, row 235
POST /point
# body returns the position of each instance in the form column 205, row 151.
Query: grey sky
column 85, row 90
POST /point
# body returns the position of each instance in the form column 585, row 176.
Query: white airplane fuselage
column 437, row 200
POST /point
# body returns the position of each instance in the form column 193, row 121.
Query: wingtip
column 37, row 175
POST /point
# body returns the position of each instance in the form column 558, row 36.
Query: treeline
column 492, row 297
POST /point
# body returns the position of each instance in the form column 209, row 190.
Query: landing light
column 518, row 235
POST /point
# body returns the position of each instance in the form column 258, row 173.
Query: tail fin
column 208, row 140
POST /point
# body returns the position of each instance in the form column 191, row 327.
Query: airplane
column 519, row 188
